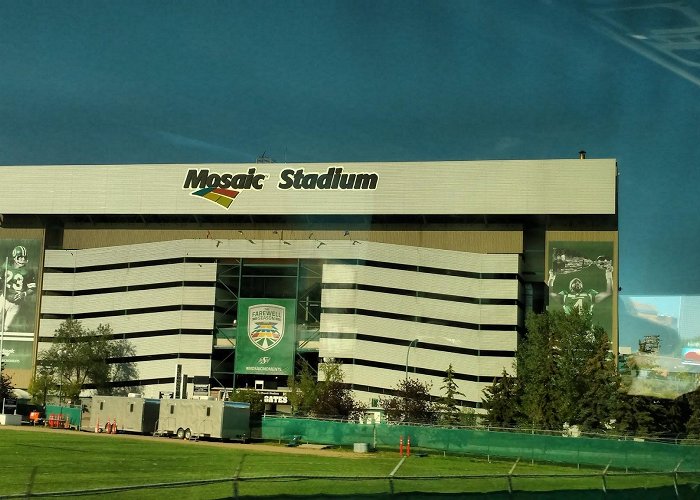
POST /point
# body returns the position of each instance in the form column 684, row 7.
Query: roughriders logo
column 222, row 188
column 265, row 325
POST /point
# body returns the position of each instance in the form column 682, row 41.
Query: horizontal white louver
column 451, row 308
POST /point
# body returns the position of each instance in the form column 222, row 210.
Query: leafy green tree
column 640, row 415
column 327, row 397
column 302, row 391
column 502, row 401
column 693, row 423
column 122, row 369
column 565, row 374
column 449, row 411
column 6, row 389
column 537, row 374
column 333, row 398
column 412, row 404
column 42, row 385
column 468, row 417
column 252, row 397
column 79, row 356
column 600, row 396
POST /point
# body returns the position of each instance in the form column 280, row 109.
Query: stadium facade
column 223, row 275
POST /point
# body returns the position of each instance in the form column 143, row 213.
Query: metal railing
column 669, row 484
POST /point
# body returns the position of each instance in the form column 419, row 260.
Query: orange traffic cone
column 108, row 427
column 114, row 426
column 97, row 426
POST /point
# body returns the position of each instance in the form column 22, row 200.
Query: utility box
column 133, row 414
column 209, row 419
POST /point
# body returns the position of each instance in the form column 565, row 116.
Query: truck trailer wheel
column 181, row 433
column 188, row 434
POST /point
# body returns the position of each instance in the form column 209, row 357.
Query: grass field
column 59, row 460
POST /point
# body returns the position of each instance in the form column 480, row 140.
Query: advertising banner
column 266, row 338
column 691, row 355
column 19, row 269
column 17, row 354
column 580, row 279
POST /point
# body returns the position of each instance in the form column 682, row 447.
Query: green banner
column 19, row 272
column 580, row 279
column 266, row 337
column 17, row 354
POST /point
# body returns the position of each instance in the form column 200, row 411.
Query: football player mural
column 18, row 283
column 580, row 279
column 19, row 265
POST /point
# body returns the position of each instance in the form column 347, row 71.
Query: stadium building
column 236, row 275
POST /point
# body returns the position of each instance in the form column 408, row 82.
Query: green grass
column 69, row 460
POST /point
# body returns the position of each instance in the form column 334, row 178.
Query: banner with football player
column 19, row 268
column 580, row 279
column 266, row 337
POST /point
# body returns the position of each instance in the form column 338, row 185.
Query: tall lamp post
column 61, row 353
column 3, row 304
column 413, row 342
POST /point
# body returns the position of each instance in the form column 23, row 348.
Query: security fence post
column 510, row 478
column 605, row 471
column 30, row 484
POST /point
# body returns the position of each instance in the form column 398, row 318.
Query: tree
column 449, row 411
column 502, row 401
column 600, row 398
column 6, row 389
column 565, row 374
column 693, row 423
column 42, row 385
column 639, row 415
column 537, row 371
column 79, row 357
column 252, row 397
column 412, row 404
column 122, row 369
column 302, row 391
column 333, row 397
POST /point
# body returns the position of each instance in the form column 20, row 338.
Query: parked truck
column 132, row 414
column 204, row 418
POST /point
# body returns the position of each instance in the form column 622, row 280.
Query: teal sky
column 358, row 80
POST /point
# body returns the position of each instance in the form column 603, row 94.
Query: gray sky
column 359, row 80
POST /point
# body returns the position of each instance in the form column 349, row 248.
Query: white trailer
column 132, row 414
column 204, row 418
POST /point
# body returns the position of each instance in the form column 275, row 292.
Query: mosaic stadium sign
column 223, row 188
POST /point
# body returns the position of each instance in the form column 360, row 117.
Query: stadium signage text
column 273, row 398
column 198, row 179
column 333, row 178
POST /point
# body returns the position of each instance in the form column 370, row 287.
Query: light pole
column 408, row 351
column 3, row 305
column 61, row 353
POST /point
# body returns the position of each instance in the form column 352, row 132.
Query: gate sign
column 266, row 337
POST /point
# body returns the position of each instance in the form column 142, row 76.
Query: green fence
column 617, row 454
column 71, row 414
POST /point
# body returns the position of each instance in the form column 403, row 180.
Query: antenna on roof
column 264, row 159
